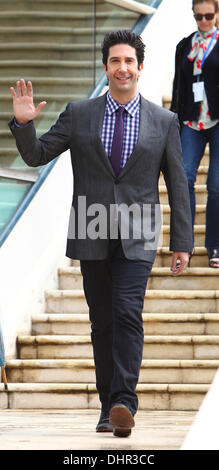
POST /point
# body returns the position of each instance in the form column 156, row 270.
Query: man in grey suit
column 119, row 143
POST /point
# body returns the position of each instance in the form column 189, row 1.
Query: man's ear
column 140, row 68
column 106, row 73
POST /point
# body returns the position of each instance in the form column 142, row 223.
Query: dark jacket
column 183, row 98
column 158, row 149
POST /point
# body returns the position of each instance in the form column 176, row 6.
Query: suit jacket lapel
column 97, row 111
column 144, row 132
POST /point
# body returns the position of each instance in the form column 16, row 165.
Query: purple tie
column 117, row 142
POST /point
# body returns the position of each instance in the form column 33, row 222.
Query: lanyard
column 207, row 50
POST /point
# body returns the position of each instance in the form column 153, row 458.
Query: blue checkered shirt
column 131, row 126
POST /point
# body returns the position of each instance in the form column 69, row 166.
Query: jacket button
column 116, row 181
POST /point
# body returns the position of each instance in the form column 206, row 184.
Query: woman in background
column 196, row 100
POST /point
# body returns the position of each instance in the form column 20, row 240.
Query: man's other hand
column 180, row 260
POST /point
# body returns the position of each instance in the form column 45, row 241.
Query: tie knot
column 120, row 110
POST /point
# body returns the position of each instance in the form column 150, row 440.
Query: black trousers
column 114, row 289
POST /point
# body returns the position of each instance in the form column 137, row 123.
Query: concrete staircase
column 55, row 368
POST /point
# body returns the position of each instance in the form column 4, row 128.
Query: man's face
column 122, row 71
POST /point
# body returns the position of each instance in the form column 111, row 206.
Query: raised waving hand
column 23, row 105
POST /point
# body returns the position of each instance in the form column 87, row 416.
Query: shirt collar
column 131, row 107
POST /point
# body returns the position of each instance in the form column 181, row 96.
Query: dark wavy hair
column 123, row 37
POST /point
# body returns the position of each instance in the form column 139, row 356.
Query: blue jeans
column 193, row 147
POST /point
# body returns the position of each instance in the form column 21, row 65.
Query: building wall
column 31, row 254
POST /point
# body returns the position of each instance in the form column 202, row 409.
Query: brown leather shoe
column 122, row 420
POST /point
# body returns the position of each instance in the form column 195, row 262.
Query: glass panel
column 51, row 44
column 11, row 194
column 51, row 48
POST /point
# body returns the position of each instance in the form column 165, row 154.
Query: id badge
column 198, row 90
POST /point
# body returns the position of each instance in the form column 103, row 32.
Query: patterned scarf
column 200, row 43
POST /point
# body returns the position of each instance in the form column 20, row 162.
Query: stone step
column 189, row 324
column 60, row 68
column 70, row 278
column 74, row 19
column 50, row 51
column 160, row 278
column 155, row 347
column 64, row 5
column 154, row 324
column 47, row 85
column 52, row 34
column 69, row 396
column 191, row 278
column 156, row 301
column 83, row 371
column 60, row 324
column 11, row 152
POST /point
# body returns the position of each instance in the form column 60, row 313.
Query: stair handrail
column 133, row 6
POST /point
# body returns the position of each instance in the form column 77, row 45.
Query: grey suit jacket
column 100, row 199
